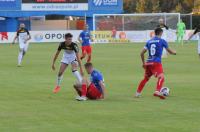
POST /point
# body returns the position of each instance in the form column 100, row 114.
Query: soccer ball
column 165, row 91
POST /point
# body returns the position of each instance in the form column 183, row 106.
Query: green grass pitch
column 28, row 105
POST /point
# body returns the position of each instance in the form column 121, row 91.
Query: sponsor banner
column 108, row 37
column 40, row 36
column 98, row 36
column 54, row 5
column 106, row 4
column 10, row 4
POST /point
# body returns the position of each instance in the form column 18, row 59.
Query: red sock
column 84, row 90
column 142, row 84
column 160, row 83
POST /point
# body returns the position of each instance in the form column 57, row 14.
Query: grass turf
column 28, row 105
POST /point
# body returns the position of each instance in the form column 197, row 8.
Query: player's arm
column 79, row 38
column 29, row 37
column 143, row 57
column 76, row 49
column 172, row 52
column 79, row 62
column 166, row 27
column 16, row 36
column 166, row 46
column 195, row 31
column 101, row 83
column 56, row 56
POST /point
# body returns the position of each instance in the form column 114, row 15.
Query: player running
column 95, row 89
column 180, row 31
column 23, row 37
column 70, row 56
column 153, row 65
column 84, row 38
column 197, row 31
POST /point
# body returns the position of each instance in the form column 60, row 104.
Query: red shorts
column 87, row 49
column 153, row 69
column 93, row 92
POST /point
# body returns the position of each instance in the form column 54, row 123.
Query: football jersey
column 22, row 35
column 155, row 48
column 95, row 78
column 85, row 36
column 71, row 49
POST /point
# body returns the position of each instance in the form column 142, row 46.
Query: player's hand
column 144, row 66
column 82, row 73
column 53, row 67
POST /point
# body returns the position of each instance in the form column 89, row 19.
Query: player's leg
column 75, row 71
column 25, row 48
column 143, row 82
column 158, row 72
column 20, row 55
column 160, row 83
column 89, row 53
column 63, row 66
column 83, row 90
column 83, row 52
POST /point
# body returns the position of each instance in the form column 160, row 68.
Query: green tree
column 178, row 7
column 140, row 6
column 155, row 6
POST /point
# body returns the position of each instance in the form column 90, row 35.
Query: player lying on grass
column 70, row 56
column 23, row 37
column 84, row 38
column 153, row 65
column 197, row 31
column 93, row 89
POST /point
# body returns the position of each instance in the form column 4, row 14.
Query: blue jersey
column 155, row 48
column 85, row 36
column 95, row 78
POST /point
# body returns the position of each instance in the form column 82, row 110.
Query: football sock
column 20, row 57
column 142, row 84
column 160, row 84
column 84, row 90
column 59, row 80
column 78, row 76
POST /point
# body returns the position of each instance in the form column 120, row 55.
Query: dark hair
column 158, row 31
column 68, row 35
column 88, row 65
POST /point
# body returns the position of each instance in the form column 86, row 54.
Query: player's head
column 68, row 37
column 158, row 32
column 22, row 25
column 89, row 67
column 161, row 21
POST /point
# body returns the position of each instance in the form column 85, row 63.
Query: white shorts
column 69, row 59
column 24, row 46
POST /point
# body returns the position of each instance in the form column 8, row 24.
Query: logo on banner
column 4, row 36
column 38, row 37
column 105, row 2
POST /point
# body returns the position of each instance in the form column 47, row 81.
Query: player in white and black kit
column 197, row 31
column 165, row 28
column 23, row 37
column 70, row 57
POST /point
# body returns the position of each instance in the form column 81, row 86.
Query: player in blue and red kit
column 85, row 38
column 93, row 89
column 153, row 65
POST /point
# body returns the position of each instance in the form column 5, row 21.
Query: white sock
column 59, row 80
column 20, row 57
column 78, row 76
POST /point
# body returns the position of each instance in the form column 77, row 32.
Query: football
column 165, row 91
